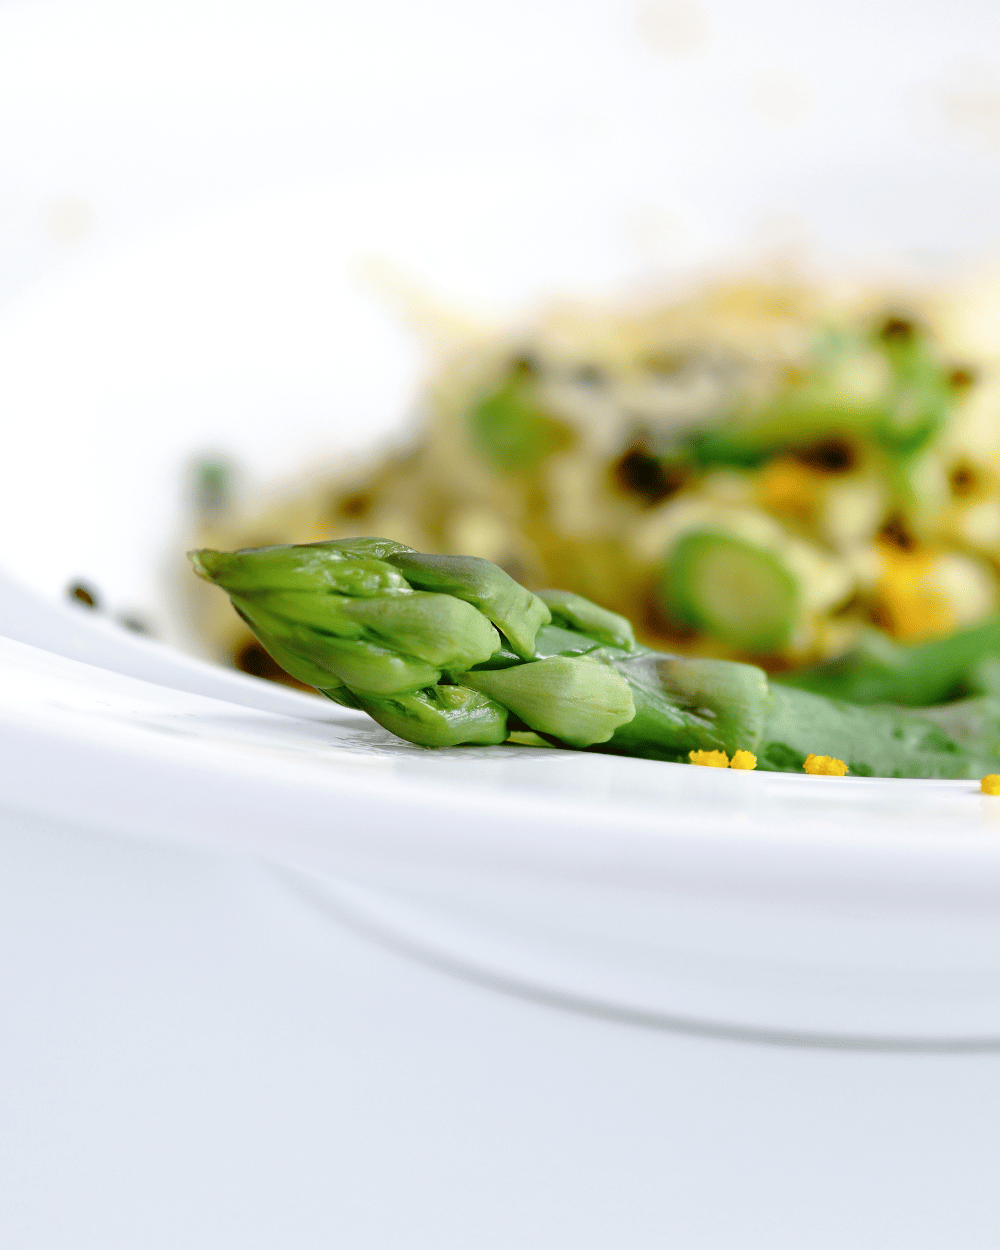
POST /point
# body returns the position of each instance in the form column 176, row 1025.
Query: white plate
column 802, row 909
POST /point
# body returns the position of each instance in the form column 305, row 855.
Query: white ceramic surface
column 191, row 1058
column 813, row 910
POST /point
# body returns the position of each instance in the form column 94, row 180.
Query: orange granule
column 743, row 760
column 990, row 784
column 824, row 766
column 709, row 759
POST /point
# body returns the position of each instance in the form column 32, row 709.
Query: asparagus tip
column 203, row 562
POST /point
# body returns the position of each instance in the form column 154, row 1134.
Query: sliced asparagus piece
column 737, row 575
column 730, row 589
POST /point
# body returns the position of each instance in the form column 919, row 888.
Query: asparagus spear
column 878, row 670
column 891, row 391
column 447, row 650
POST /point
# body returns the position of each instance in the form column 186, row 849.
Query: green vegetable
column 739, row 576
column 428, row 665
column 511, row 608
column 441, row 716
column 336, row 614
column 891, row 391
column 921, row 393
column 579, row 613
column 510, row 430
column 731, row 589
column 878, row 670
column 574, row 699
column 691, row 704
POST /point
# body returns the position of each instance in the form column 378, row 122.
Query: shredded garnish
column 824, row 766
column 743, row 760
column 990, row 784
column 709, row 759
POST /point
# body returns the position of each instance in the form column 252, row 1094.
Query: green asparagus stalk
column 445, row 650
column 890, row 391
column 878, row 670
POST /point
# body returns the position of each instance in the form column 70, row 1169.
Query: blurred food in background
column 761, row 470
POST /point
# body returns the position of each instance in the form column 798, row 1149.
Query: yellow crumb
column 990, row 784
column 743, row 759
column 824, row 766
column 709, row 759
column 908, row 603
